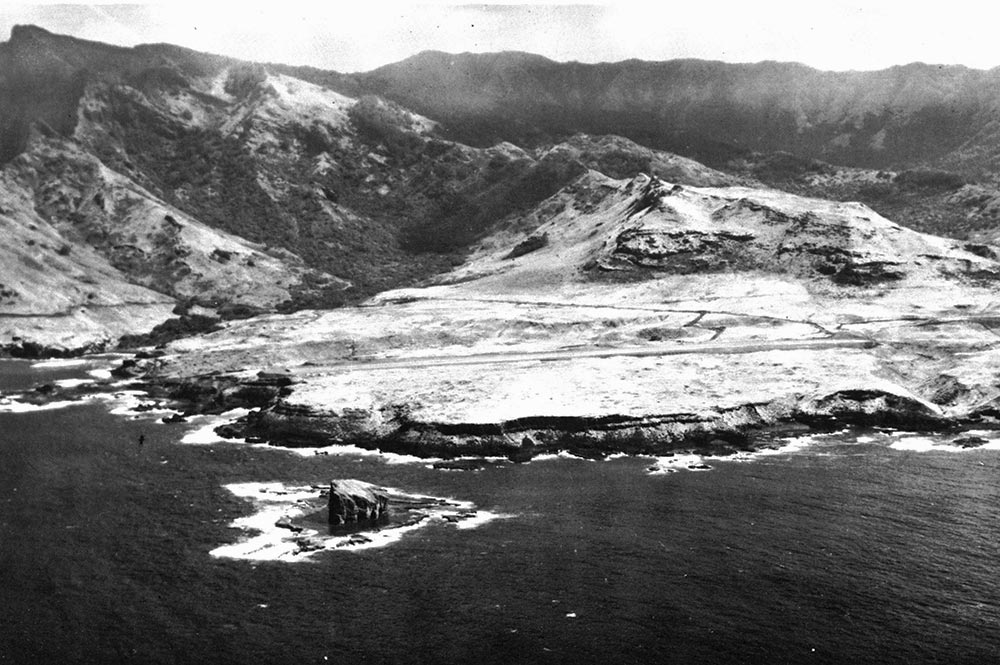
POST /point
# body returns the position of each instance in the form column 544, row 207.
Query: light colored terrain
column 654, row 304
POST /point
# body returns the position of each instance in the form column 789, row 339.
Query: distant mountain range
column 902, row 117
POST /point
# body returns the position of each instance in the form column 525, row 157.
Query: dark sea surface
column 841, row 552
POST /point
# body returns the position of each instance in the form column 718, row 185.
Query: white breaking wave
column 205, row 434
column 264, row 541
column 60, row 363
column 121, row 401
column 72, row 383
column 8, row 405
column 925, row 444
column 695, row 462
column 674, row 463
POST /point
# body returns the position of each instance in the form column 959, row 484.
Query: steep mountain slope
column 154, row 244
column 117, row 245
column 60, row 296
column 634, row 315
column 359, row 187
column 900, row 117
column 137, row 153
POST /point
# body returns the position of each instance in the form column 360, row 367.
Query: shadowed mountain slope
column 916, row 114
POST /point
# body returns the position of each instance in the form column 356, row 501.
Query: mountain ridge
column 363, row 191
column 902, row 116
column 766, row 106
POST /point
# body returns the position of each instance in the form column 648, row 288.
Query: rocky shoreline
column 742, row 429
column 279, row 416
column 274, row 418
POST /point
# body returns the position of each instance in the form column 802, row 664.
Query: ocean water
column 859, row 547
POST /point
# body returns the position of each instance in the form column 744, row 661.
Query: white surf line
column 696, row 462
column 205, row 434
column 351, row 450
column 121, row 402
column 101, row 371
column 60, row 363
column 920, row 444
column 924, row 444
column 534, row 356
column 107, row 360
column 73, row 383
column 8, row 405
column 264, row 541
column 563, row 455
column 675, row 463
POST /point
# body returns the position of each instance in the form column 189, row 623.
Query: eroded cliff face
column 685, row 341
column 352, row 500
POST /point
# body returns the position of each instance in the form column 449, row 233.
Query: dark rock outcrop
column 356, row 501
column 285, row 523
column 970, row 441
column 870, row 407
column 528, row 245
column 209, row 393
column 391, row 430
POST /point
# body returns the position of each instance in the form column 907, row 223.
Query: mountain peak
column 493, row 59
column 27, row 34
column 28, row 31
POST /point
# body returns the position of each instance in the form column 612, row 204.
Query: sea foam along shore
column 275, row 503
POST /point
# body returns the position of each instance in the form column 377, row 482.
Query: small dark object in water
column 458, row 517
column 699, row 467
column 127, row 370
column 473, row 464
column 285, row 523
column 142, row 439
column 308, row 544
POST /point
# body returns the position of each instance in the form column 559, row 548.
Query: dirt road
column 591, row 352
